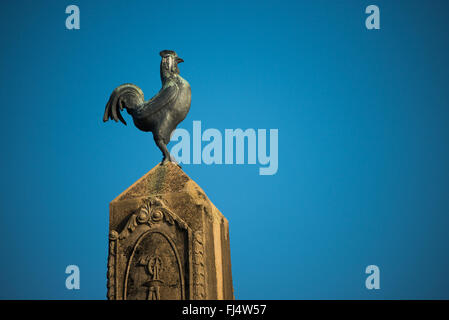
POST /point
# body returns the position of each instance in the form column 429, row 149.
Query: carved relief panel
column 156, row 256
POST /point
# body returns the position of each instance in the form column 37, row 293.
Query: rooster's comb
column 165, row 53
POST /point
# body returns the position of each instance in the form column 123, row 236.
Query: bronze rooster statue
column 159, row 115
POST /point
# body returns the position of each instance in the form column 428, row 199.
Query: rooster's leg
column 163, row 147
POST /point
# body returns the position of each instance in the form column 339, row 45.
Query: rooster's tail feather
column 127, row 96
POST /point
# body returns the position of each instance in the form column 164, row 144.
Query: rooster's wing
column 164, row 98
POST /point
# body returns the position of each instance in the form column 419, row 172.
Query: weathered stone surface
column 167, row 241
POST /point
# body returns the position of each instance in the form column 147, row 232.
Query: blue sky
column 362, row 117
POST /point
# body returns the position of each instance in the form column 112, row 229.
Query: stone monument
column 167, row 241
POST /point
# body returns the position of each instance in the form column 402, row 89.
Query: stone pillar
column 167, row 241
